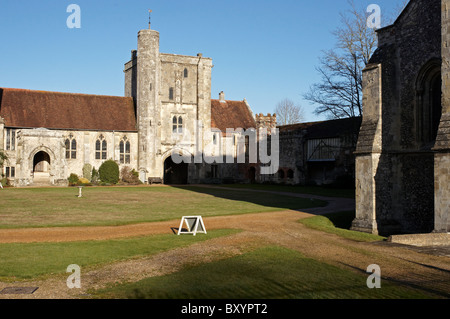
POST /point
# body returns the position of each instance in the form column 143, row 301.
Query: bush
column 109, row 172
column 87, row 172
column 130, row 176
column 94, row 175
column 84, row 182
column 73, row 179
column 4, row 181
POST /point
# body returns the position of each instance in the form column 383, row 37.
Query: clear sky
column 262, row 50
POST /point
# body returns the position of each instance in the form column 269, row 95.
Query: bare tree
column 288, row 112
column 339, row 94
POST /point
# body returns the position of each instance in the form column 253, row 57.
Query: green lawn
column 24, row 261
column 339, row 224
column 311, row 190
column 266, row 273
column 48, row 207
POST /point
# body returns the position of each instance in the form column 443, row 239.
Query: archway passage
column 252, row 175
column 175, row 173
column 41, row 162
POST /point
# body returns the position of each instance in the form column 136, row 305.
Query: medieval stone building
column 403, row 151
column 317, row 153
column 49, row 135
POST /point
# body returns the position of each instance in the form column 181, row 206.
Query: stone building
column 317, row 153
column 403, row 151
column 167, row 104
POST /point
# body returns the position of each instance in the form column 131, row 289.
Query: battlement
column 268, row 121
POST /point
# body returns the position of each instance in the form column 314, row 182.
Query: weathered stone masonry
column 402, row 179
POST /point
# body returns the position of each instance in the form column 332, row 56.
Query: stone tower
column 172, row 95
column 147, row 100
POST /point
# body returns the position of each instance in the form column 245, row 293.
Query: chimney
column 222, row 97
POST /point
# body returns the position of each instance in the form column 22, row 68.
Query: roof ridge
column 62, row 93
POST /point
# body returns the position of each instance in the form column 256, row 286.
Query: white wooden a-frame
column 194, row 225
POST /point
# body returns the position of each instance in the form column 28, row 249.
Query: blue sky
column 263, row 50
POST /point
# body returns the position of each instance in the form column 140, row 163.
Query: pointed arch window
column 10, row 139
column 125, row 151
column 71, row 147
column 428, row 103
column 177, row 125
column 101, row 147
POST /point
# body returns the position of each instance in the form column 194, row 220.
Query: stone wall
column 31, row 141
column 401, row 186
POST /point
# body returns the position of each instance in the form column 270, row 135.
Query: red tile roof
column 231, row 114
column 53, row 110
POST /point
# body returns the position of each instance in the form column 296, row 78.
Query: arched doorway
column 41, row 168
column 175, row 173
column 41, row 162
column 252, row 175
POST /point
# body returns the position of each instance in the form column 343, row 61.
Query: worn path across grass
column 401, row 265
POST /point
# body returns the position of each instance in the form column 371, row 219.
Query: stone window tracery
column 125, row 151
column 177, row 125
column 101, row 147
column 71, row 147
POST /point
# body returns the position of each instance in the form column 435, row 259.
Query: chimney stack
column 222, row 97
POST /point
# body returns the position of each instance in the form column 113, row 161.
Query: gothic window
column 101, row 147
column 186, row 73
column 10, row 139
column 177, row 125
column 125, row 151
column 71, row 147
column 10, row 172
column 428, row 104
column 171, row 94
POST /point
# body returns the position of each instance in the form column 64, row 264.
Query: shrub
column 4, row 181
column 73, row 179
column 109, row 172
column 87, row 172
column 84, row 182
column 130, row 176
column 94, row 175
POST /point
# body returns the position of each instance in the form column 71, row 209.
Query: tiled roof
column 53, row 110
column 231, row 114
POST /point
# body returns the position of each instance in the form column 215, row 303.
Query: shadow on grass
column 265, row 199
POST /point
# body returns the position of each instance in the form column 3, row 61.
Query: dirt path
column 277, row 228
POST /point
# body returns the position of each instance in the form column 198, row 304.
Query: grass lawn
column 49, row 207
column 339, row 224
column 266, row 273
column 25, row 261
column 311, row 190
